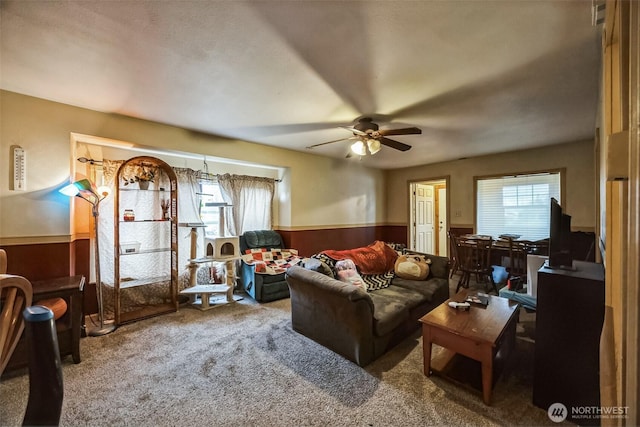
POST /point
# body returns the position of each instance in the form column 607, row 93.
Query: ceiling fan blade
column 403, row 131
column 330, row 142
column 354, row 130
column 394, row 144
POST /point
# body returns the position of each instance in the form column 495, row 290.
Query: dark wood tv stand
column 569, row 319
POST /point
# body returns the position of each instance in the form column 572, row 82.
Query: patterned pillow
column 373, row 281
column 377, row 281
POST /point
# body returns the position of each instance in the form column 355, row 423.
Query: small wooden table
column 484, row 334
column 70, row 325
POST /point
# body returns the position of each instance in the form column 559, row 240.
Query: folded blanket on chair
column 273, row 261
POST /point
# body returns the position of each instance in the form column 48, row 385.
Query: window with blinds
column 517, row 205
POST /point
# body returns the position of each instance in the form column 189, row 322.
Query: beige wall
column 316, row 191
column 577, row 158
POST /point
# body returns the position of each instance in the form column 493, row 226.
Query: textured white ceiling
column 477, row 77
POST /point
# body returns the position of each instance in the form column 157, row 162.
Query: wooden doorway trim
column 444, row 182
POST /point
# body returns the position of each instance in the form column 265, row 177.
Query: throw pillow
column 412, row 267
column 346, row 272
column 57, row 305
column 378, row 281
column 317, row 265
column 373, row 281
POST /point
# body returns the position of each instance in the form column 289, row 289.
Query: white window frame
column 512, row 198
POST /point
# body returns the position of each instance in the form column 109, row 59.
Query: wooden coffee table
column 482, row 334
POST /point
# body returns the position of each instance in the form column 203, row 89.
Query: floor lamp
column 86, row 190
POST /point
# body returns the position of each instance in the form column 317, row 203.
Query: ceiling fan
column 369, row 138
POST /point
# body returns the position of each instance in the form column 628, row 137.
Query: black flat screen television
column 559, row 238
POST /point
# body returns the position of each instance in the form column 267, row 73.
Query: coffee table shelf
column 475, row 343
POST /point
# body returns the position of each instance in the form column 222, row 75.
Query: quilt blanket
column 273, row 261
column 377, row 258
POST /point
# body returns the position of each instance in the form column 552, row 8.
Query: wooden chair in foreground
column 16, row 294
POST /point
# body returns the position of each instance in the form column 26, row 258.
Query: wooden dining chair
column 517, row 263
column 474, row 256
column 453, row 255
column 15, row 295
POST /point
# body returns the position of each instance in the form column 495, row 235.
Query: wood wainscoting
column 312, row 241
column 460, row 230
column 41, row 261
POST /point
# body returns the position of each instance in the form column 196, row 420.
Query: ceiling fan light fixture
column 359, row 148
column 370, row 139
column 373, row 145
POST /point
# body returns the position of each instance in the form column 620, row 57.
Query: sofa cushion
column 408, row 297
column 388, row 313
column 425, row 287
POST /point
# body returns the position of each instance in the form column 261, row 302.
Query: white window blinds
column 516, row 205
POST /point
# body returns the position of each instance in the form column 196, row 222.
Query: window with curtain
column 516, row 204
column 251, row 199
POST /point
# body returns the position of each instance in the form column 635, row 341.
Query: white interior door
column 424, row 218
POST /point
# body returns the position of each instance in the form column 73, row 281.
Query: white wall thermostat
column 19, row 169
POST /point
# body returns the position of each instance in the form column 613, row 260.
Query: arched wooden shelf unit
column 145, row 241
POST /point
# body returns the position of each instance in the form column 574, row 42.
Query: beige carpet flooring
column 243, row 365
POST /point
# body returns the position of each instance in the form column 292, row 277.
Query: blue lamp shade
column 69, row 190
column 82, row 185
column 87, row 190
